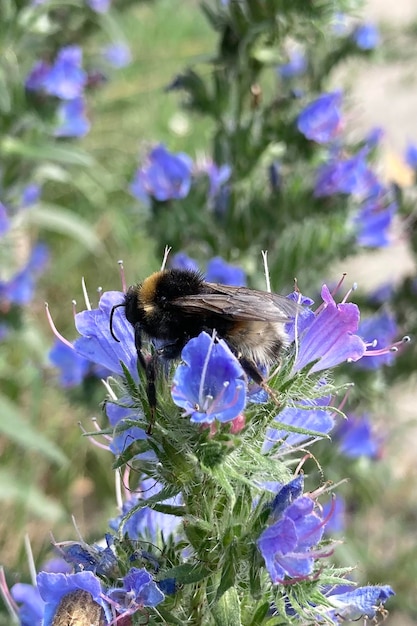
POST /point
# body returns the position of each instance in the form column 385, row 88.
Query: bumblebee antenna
column 116, row 306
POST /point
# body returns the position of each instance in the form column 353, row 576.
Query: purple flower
column 4, row 220
column 218, row 271
column 361, row 602
column 30, row 195
column 348, row 176
column 72, row 120
column 164, row 176
column 373, row 223
column 53, row 587
column 311, row 415
column 99, row 6
column 31, row 605
column 366, row 36
column 355, row 438
column 138, row 590
column 411, row 155
column 330, row 336
column 73, row 367
column 286, row 546
column 66, row 79
column 321, row 120
column 297, row 65
column 379, row 331
column 117, row 54
column 210, row 383
column 98, row 345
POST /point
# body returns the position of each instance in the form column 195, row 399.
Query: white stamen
column 266, row 270
column 165, row 259
column 86, row 298
column 30, row 559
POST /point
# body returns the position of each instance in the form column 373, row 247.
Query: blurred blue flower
column 31, row 605
column 73, row 367
column 361, row 602
column 373, row 223
column 297, row 64
column 218, row 271
column 30, row 194
column 348, row 176
column 99, row 6
column 330, row 337
column 19, row 289
column 182, row 261
column 335, row 510
column 366, row 36
column 382, row 329
column 122, row 436
column 210, row 383
column 117, row 54
column 146, row 524
column 312, row 415
column 53, row 587
column 98, row 345
column 138, row 590
column 92, row 558
column 382, row 294
column 411, row 155
column 218, row 175
column 72, row 120
column 4, row 220
column 355, row 438
column 164, row 176
column 66, row 79
column 340, row 25
column 286, row 545
column 35, row 80
column 321, row 120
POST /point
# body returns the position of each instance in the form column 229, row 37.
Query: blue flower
column 31, row 605
column 53, row 587
column 347, row 176
column 138, row 590
column 312, row 415
column 297, row 65
column 165, row 176
column 182, row 261
column 19, row 289
column 73, row 367
column 4, row 220
column 218, row 271
column 361, row 602
column 66, row 79
column 379, row 331
column 30, row 195
column 366, row 36
column 35, row 80
column 286, row 546
column 321, row 120
column 124, row 437
column 218, row 175
column 330, row 336
column 97, row 344
column 335, row 511
column 355, row 438
column 72, row 120
column 145, row 523
column 210, row 383
column 373, row 224
column 92, row 558
column 99, row 6
column 411, row 155
column 117, row 54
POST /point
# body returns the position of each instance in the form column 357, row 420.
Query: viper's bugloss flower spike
column 164, row 176
column 321, row 120
column 210, row 383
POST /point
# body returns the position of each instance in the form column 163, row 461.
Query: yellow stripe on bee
column 148, row 289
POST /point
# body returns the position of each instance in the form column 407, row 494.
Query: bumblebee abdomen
column 260, row 342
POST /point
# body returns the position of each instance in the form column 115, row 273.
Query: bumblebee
column 174, row 305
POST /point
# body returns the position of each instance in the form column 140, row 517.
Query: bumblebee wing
column 240, row 304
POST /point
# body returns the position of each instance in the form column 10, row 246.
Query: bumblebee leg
column 149, row 368
column 138, row 346
column 250, row 368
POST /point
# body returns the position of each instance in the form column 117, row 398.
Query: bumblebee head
column 132, row 308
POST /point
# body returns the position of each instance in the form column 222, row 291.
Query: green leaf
column 65, row 153
column 15, row 427
column 57, row 219
column 188, row 573
column 226, row 611
column 29, row 496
